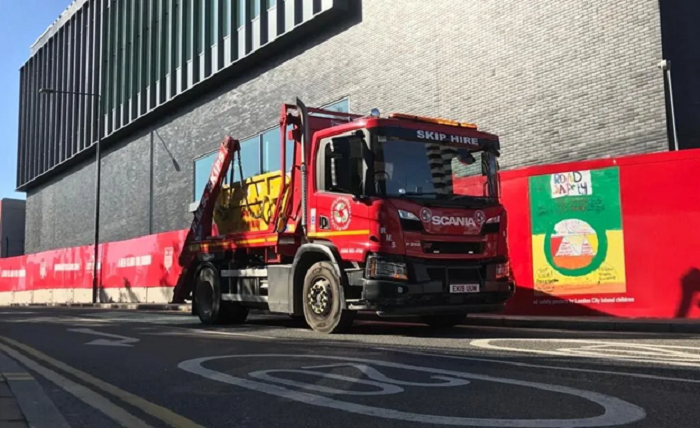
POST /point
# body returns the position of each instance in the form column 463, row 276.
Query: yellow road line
column 116, row 413
column 166, row 415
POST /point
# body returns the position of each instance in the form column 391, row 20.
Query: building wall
column 681, row 36
column 60, row 213
column 558, row 81
column 141, row 57
column 12, row 223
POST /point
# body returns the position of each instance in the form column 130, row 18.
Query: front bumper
column 402, row 298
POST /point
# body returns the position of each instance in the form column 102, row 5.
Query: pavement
column 110, row 368
column 23, row 402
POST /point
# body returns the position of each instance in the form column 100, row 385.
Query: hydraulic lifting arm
column 201, row 226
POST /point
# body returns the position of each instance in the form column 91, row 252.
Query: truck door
column 341, row 209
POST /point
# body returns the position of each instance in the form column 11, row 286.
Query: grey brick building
column 557, row 80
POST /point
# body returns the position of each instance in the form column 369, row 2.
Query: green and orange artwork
column 577, row 236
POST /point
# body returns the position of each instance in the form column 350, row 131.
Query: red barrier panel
column 129, row 269
column 653, row 274
column 148, row 261
column 66, row 268
column 13, row 274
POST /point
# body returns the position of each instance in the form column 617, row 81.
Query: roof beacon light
column 434, row 120
column 375, row 112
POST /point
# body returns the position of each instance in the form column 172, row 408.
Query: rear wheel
column 443, row 321
column 233, row 313
column 299, row 320
column 207, row 299
column 323, row 308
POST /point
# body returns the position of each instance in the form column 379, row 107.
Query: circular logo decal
column 426, row 215
column 479, row 217
column 341, row 214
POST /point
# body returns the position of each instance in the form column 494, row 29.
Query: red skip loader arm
column 202, row 222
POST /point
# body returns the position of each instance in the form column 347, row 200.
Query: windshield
column 404, row 168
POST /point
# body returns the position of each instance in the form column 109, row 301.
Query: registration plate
column 464, row 288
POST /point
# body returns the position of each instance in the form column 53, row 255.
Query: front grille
column 437, row 274
column 445, row 275
column 452, row 247
column 463, row 275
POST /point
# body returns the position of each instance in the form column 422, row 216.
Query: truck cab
column 412, row 206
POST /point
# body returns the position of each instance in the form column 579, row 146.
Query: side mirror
column 485, row 164
column 468, row 159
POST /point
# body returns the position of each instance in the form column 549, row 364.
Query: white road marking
column 89, row 397
column 541, row 366
column 616, row 411
column 149, row 318
column 117, row 340
column 229, row 333
column 380, row 377
column 385, row 384
column 384, row 388
column 643, row 353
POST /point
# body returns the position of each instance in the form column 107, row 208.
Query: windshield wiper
column 473, row 201
column 478, row 198
column 418, row 194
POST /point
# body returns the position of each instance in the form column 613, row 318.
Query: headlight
column 496, row 219
column 380, row 268
column 406, row 215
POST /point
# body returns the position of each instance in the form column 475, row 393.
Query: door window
column 341, row 168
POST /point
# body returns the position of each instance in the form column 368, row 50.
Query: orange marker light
column 434, row 120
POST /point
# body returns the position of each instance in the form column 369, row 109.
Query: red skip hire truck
column 394, row 214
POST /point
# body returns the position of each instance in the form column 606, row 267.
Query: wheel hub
column 319, row 297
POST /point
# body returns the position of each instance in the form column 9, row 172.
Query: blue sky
column 21, row 22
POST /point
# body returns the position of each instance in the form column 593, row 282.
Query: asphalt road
column 105, row 368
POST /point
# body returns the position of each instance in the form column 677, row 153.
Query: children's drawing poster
column 577, row 236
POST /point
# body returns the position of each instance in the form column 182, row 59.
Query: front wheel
column 443, row 321
column 299, row 320
column 322, row 294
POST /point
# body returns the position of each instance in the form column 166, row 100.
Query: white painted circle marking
column 375, row 374
column 617, row 411
column 384, row 389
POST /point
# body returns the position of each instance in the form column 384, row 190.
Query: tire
column 207, row 299
column 443, row 321
column 299, row 320
column 233, row 313
column 322, row 304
